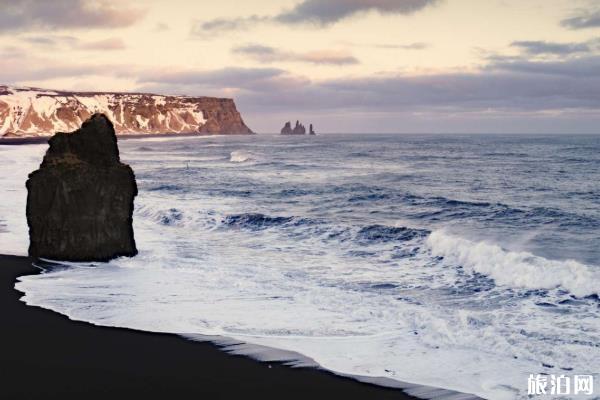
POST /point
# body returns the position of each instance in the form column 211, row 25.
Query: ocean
column 464, row 262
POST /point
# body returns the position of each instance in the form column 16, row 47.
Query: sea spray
column 515, row 269
column 325, row 250
column 240, row 156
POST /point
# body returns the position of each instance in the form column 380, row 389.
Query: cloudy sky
column 346, row 65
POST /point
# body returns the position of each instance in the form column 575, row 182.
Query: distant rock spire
column 299, row 129
column 287, row 129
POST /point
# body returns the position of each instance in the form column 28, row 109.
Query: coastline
column 44, row 139
column 91, row 361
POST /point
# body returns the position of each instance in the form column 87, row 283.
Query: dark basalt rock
column 80, row 200
column 287, row 128
column 299, row 129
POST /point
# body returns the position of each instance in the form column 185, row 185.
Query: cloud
column 73, row 43
column 315, row 12
column 524, row 88
column 219, row 25
column 247, row 78
column 329, row 12
column 409, row 46
column 65, row 14
column 582, row 20
column 506, row 86
column 391, row 46
column 161, row 27
column 106, row 44
column 459, row 93
column 574, row 68
column 542, row 47
column 266, row 54
column 51, row 40
column 20, row 66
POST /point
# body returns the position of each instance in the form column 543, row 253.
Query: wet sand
column 46, row 356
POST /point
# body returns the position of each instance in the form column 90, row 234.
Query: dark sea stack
column 80, row 200
column 287, row 129
column 311, row 131
column 298, row 129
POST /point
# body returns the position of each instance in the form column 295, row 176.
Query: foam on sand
column 316, row 257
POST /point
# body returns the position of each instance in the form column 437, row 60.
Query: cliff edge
column 26, row 112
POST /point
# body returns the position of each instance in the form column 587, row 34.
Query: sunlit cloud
column 161, row 27
column 267, row 54
column 71, row 42
column 332, row 11
column 316, row 12
column 379, row 58
column 219, row 25
column 537, row 47
column 583, row 19
column 106, row 44
column 407, row 46
column 18, row 15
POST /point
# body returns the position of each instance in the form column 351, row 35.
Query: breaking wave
column 339, row 255
column 240, row 156
column 254, row 221
column 515, row 269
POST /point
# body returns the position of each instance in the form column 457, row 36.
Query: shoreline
column 44, row 139
column 96, row 361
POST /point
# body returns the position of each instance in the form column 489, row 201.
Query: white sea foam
column 316, row 292
column 515, row 269
column 18, row 162
column 240, row 156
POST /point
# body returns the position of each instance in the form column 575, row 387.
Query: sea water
column 464, row 262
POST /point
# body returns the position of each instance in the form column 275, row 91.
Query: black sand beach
column 47, row 356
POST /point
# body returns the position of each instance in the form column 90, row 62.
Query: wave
column 166, row 188
column 443, row 201
column 144, row 148
column 515, row 269
column 240, row 156
column 383, row 233
column 365, row 235
column 167, row 217
column 254, row 221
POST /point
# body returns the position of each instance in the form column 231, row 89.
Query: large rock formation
column 287, row 129
column 38, row 112
column 80, row 200
column 299, row 129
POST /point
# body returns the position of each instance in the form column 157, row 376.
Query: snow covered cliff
column 38, row 112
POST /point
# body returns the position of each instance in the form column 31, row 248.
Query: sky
column 405, row 66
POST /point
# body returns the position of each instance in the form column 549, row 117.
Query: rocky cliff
column 38, row 112
column 80, row 200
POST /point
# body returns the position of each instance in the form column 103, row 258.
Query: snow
column 159, row 100
column 170, row 111
column 45, row 106
column 198, row 115
column 142, row 122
